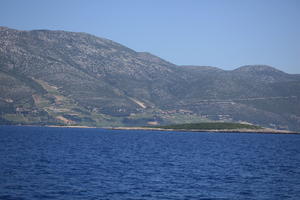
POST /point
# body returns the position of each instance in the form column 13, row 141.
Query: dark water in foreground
column 68, row 163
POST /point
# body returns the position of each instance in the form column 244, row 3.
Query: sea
column 94, row 164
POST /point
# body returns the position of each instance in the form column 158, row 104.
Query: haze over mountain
column 58, row 77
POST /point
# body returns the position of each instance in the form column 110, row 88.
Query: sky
column 220, row 33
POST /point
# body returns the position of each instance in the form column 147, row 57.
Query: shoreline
column 258, row 131
column 51, row 126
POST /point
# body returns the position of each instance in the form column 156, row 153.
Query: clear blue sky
column 221, row 33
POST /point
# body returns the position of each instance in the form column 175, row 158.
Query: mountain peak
column 257, row 69
column 3, row 28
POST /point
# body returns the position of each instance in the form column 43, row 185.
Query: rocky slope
column 58, row 77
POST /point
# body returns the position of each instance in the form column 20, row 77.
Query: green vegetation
column 26, row 80
column 211, row 126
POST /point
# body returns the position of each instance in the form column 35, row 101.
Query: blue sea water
column 74, row 163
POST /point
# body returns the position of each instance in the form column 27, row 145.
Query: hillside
column 67, row 78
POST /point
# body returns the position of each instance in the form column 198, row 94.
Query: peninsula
column 211, row 127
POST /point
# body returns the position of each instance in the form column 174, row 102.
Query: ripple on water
column 60, row 163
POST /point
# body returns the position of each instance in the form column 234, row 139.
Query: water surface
column 70, row 163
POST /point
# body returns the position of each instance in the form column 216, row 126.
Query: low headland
column 212, row 127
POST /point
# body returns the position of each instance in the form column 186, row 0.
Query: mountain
column 58, row 77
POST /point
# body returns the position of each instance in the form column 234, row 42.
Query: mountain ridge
column 78, row 78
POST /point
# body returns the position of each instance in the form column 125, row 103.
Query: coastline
column 259, row 131
column 51, row 126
